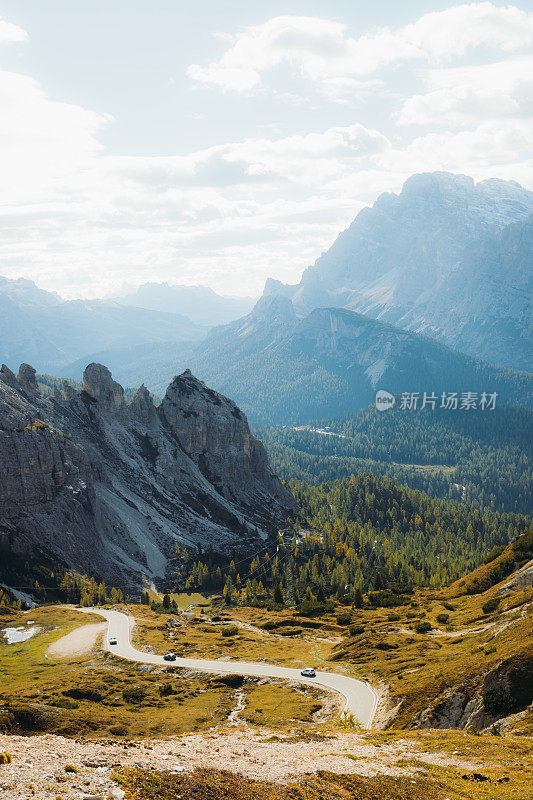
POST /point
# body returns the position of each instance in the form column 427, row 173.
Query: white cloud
column 321, row 50
column 41, row 139
column 462, row 96
column 10, row 33
column 80, row 221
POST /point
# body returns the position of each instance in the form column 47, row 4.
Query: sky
column 223, row 143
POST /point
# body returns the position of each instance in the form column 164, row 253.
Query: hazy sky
column 223, row 142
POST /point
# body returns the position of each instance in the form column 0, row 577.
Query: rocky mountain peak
column 142, row 405
column 27, row 379
column 275, row 308
column 69, row 392
column 99, row 384
column 215, row 433
column 405, row 260
column 8, row 377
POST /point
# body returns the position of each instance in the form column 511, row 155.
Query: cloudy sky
column 221, row 143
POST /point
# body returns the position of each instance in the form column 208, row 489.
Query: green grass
column 100, row 695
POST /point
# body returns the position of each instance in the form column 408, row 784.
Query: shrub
column 5, row 758
column 86, row 693
column 344, row 618
column 64, row 702
column 422, row 627
column 393, row 617
column 134, row 694
column 491, row 605
column 312, row 607
column 166, row 689
column 118, row 730
column 386, row 646
column 387, row 599
column 355, row 630
column 443, row 618
column 494, row 553
column 71, row 768
column 230, row 630
column 498, row 701
column 450, row 606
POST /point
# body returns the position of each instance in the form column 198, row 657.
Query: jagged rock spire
column 98, row 383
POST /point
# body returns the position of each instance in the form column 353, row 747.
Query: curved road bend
column 361, row 699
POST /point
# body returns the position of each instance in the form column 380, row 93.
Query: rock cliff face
column 110, row 488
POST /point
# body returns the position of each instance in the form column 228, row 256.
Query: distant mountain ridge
column 436, row 259
column 199, row 303
column 41, row 327
column 282, row 368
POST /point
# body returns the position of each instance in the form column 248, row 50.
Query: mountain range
column 422, row 292
column 282, row 368
column 446, row 257
column 199, row 303
column 109, row 488
column 41, row 327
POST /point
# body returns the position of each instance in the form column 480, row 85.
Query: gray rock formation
column 215, row 434
column 27, row 379
column 98, row 383
column 109, row 489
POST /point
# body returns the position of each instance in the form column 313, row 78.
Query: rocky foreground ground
column 48, row 766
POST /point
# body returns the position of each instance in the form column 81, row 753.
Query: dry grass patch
column 204, row 784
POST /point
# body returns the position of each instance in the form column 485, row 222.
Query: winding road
column 360, row 698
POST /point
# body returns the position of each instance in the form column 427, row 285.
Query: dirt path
column 78, row 642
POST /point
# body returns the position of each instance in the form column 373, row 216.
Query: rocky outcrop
column 99, row 384
column 522, row 578
column 142, row 406
column 27, row 379
column 215, row 434
column 501, row 691
column 109, row 489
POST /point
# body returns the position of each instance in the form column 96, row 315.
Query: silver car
column 308, row 672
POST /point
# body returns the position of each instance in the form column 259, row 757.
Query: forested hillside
column 361, row 533
column 481, row 458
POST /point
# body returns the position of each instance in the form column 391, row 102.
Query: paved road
column 361, row 699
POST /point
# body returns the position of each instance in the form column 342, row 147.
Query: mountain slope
column 40, row 327
column 110, row 488
column 406, row 260
column 484, row 305
column 331, row 362
column 484, row 460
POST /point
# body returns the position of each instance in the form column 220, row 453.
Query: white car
column 308, row 672
column 113, row 640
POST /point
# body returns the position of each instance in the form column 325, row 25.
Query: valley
column 333, row 600
column 165, row 729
